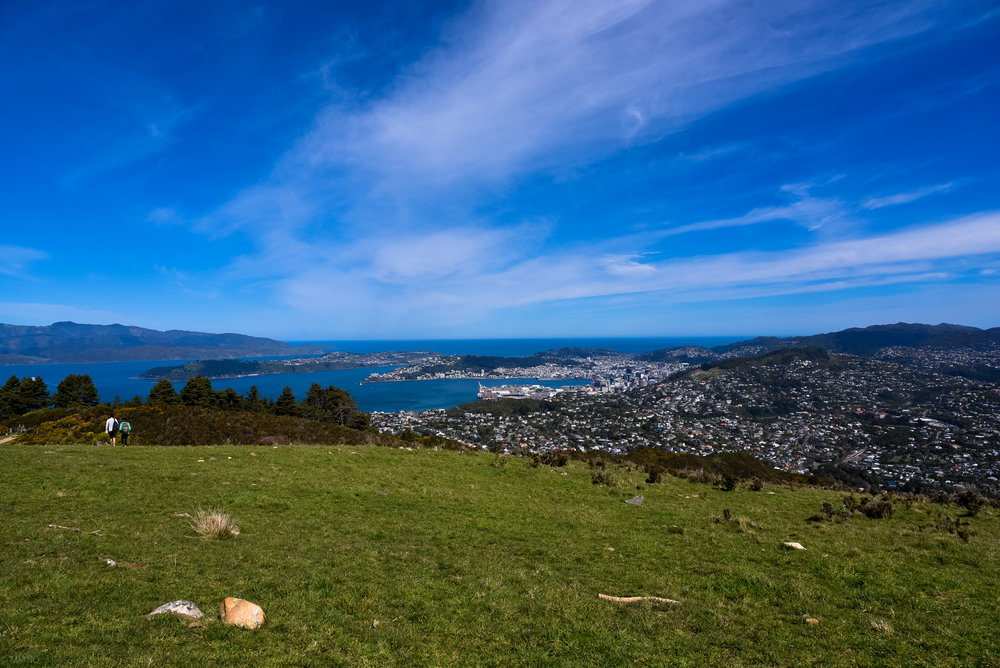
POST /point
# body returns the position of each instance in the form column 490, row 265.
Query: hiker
column 111, row 427
column 125, row 428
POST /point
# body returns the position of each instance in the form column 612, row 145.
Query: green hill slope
column 379, row 556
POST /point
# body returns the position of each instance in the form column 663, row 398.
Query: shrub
column 729, row 481
column 655, row 474
column 971, row 501
column 604, row 477
column 878, row 509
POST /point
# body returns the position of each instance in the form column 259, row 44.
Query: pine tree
column 10, row 398
column 286, row 404
column 163, row 394
column 198, row 392
column 34, row 393
column 75, row 390
column 328, row 405
column 253, row 402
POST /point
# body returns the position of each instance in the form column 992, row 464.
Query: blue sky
column 333, row 170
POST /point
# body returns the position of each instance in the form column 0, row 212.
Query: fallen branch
column 93, row 533
column 636, row 599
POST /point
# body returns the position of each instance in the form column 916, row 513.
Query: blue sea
column 120, row 379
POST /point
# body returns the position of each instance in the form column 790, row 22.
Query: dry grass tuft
column 214, row 525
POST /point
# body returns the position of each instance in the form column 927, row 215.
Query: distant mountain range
column 864, row 341
column 69, row 342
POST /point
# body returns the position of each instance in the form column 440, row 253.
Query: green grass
column 463, row 562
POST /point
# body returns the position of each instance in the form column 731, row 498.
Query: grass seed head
column 214, row 525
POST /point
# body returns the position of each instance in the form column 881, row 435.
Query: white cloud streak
column 15, row 260
column 904, row 198
column 349, row 223
column 465, row 293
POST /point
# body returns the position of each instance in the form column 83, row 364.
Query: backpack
column 125, row 427
column 114, row 425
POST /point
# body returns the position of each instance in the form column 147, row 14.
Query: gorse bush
column 183, row 425
column 604, row 477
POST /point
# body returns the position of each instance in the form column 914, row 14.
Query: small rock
column 374, row 623
column 636, row 500
column 201, row 461
column 180, row 514
column 793, row 546
column 881, row 625
column 381, row 493
column 111, row 562
column 610, row 549
column 211, row 459
column 181, row 608
column 195, row 625
column 812, row 620
column 242, row 613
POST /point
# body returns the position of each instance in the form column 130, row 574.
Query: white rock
column 636, row 500
column 794, row 546
column 182, row 608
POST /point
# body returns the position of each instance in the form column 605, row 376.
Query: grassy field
column 363, row 555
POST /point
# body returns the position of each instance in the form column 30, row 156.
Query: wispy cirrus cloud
column 516, row 87
column 806, row 210
column 368, row 214
column 904, row 198
column 914, row 255
column 15, row 260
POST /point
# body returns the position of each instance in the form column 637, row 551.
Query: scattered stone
column 181, row 608
column 253, row 454
column 812, row 620
column 195, row 625
column 793, row 546
column 211, row 459
column 610, row 549
column 111, row 562
column 374, row 623
column 180, row 515
column 241, row 613
column 563, row 473
column 233, row 529
column 769, row 493
column 381, row 493
column 636, row 500
column 201, row 461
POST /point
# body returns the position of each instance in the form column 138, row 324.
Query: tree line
column 331, row 404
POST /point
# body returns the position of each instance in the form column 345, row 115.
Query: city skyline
column 309, row 171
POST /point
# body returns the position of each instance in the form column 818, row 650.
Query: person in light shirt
column 111, row 427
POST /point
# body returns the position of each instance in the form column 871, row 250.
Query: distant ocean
column 120, row 379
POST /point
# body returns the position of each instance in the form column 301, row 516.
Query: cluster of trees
column 20, row 396
column 330, row 404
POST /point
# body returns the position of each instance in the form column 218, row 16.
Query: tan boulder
column 242, row 613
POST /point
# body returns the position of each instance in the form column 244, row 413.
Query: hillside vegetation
column 381, row 556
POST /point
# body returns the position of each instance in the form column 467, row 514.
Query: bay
column 120, row 379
